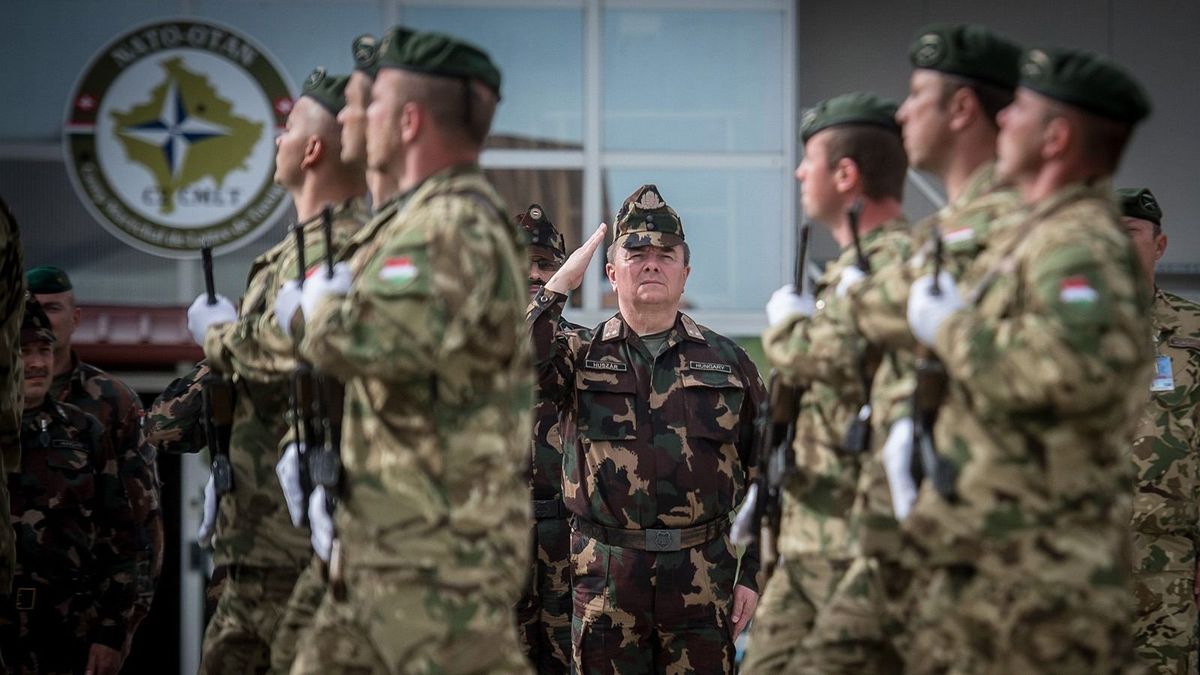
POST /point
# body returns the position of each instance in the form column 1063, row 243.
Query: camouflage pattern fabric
column 298, row 616
column 798, row 586
column 1048, row 367
column 1166, row 499
column 544, row 612
column 650, row 443
column 433, row 515
column 119, row 411
column 12, row 308
column 249, row 613
column 173, row 423
column 74, row 584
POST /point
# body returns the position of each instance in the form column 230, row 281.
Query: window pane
column 705, row 81
column 732, row 223
column 540, row 55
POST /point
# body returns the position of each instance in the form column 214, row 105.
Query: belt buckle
column 664, row 540
column 26, row 598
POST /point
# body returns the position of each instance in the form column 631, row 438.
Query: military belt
column 654, row 540
column 25, row 598
column 549, row 509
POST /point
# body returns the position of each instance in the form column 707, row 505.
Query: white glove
column 850, row 276
column 287, row 301
column 288, row 470
column 318, row 286
column 320, row 523
column 201, row 315
column 897, row 461
column 209, row 523
column 926, row 311
column 740, row 533
column 785, row 303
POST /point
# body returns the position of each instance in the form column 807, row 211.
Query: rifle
column 858, row 435
column 301, row 390
column 927, row 398
column 775, row 432
column 324, row 461
column 217, row 400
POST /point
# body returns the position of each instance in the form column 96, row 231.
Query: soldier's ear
column 1057, row 136
column 412, row 121
column 1160, row 246
column 846, row 175
column 314, row 148
column 963, row 108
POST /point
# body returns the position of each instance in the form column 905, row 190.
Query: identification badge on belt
column 1164, row 378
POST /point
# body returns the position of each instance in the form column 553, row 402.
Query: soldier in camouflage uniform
column 657, row 424
column 74, row 585
column 425, row 326
column 119, row 410
column 963, row 75
column 852, row 153
column 544, row 613
column 1166, row 461
column 255, row 539
column 12, row 303
column 353, row 117
column 1048, row 356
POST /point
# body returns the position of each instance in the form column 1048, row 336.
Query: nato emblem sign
column 170, row 137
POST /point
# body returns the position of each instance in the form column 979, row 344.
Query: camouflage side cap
column 328, row 90
column 1139, row 203
column 1087, row 81
column 47, row 279
column 441, row 55
column 35, row 325
column 857, row 107
column 968, row 50
column 646, row 220
column 541, row 231
column 365, row 51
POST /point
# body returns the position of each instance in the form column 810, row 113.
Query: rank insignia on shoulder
column 613, row 366
column 398, row 269
column 710, row 367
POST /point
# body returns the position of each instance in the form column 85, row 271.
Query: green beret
column 47, row 279
column 646, row 220
column 365, row 50
column 1087, row 81
column 968, row 50
column 328, row 90
column 1139, row 203
column 389, row 51
column 541, row 231
column 440, row 55
column 35, row 325
column 853, row 108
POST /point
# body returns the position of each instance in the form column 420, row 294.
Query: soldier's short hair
column 992, row 98
column 879, row 154
column 1103, row 139
column 462, row 108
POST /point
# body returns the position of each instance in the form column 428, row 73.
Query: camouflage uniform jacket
column 545, row 480
column 119, row 411
column 435, row 433
column 12, row 308
column 1166, row 454
column 72, row 522
column 1048, row 370
column 253, row 526
column 826, row 356
column 173, row 423
column 649, row 443
column 879, row 307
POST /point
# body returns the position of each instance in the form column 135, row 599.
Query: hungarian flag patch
column 398, row 269
column 1076, row 290
column 958, row 236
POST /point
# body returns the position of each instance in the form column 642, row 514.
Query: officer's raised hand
column 570, row 275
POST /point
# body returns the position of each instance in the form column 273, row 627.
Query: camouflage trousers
column 1165, row 630
column 544, row 613
column 407, row 621
column 638, row 612
column 1017, row 622
column 239, row 636
column 43, row 630
column 797, row 591
column 298, row 616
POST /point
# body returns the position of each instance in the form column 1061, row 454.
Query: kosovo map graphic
column 185, row 133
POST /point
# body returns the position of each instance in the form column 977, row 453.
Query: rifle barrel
column 327, row 229
column 210, row 287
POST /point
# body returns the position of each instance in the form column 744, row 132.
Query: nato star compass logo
column 170, row 138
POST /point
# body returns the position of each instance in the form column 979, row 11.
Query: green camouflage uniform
column 433, row 514
column 255, row 538
column 863, row 626
column 12, row 308
column 650, row 443
column 824, row 355
column 1048, row 368
column 119, row 411
column 74, row 584
column 1166, row 500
